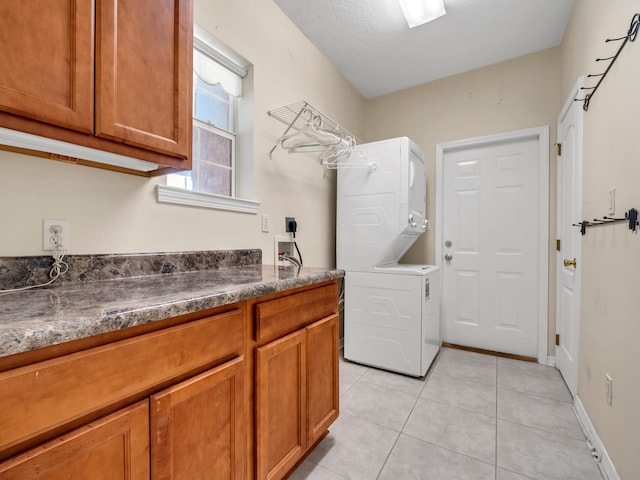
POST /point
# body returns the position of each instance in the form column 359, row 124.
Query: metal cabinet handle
column 568, row 263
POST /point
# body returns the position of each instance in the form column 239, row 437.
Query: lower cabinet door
column 115, row 447
column 322, row 376
column 280, row 405
column 198, row 427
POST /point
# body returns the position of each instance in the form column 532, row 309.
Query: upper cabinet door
column 47, row 61
column 144, row 57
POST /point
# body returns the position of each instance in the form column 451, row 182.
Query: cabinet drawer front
column 47, row 395
column 278, row 317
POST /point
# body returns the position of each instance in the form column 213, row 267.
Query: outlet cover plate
column 65, row 235
column 286, row 223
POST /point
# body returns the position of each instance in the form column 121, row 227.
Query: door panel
column 322, row 376
column 47, row 61
column 467, row 288
column 198, row 427
column 113, row 448
column 144, row 71
column 569, row 212
column 280, row 405
column 491, row 217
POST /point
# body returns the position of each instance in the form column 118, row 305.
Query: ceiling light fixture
column 418, row 12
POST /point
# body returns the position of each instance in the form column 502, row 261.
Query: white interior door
column 569, row 212
column 491, row 249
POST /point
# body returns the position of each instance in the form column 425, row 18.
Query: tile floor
column 473, row 417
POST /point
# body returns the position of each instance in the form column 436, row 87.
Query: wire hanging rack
column 298, row 116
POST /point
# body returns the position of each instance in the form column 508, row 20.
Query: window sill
column 180, row 196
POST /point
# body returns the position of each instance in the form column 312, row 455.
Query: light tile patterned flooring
column 473, row 417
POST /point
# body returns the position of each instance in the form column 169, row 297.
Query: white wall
column 117, row 213
column 610, row 325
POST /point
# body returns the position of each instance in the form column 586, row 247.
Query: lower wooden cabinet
column 296, row 395
column 229, row 396
column 193, row 430
column 198, row 427
column 113, row 448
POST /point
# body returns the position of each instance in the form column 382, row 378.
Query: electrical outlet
column 266, row 223
column 49, row 229
column 287, row 224
column 608, row 382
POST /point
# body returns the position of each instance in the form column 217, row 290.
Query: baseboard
column 551, row 361
column 598, row 451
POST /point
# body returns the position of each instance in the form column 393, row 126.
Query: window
column 218, row 81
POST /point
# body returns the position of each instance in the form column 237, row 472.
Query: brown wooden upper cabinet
column 113, row 75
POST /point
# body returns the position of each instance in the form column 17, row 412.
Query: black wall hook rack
column 631, row 217
column 631, row 35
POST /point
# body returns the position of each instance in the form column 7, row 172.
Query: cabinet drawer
column 48, row 395
column 278, row 317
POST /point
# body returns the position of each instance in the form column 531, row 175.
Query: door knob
column 448, row 257
column 568, row 263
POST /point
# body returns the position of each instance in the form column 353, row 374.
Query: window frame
column 211, row 47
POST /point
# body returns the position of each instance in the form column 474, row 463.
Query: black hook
column 633, row 28
column 632, row 215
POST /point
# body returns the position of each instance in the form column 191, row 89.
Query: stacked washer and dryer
column 391, row 310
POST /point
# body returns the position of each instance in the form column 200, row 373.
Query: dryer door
column 417, row 184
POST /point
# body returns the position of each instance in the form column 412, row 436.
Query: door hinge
column 557, row 339
column 559, row 145
column 558, row 245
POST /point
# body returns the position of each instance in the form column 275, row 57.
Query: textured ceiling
column 370, row 44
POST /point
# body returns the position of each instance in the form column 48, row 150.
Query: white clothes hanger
column 336, row 159
column 311, row 135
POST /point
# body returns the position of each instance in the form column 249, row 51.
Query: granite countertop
column 48, row 316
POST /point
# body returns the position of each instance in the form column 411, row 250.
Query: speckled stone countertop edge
column 55, row 324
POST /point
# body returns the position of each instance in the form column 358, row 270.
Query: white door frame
column 542, row 135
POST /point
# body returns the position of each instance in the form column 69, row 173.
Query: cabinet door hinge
column 557, row 339
column 559, row 145
column 558, row 245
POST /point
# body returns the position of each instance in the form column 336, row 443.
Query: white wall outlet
column 266, row 223
column 608, row 383
column 612, row 202
column 49, row 229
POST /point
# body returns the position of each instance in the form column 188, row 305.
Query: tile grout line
column 426, row 380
